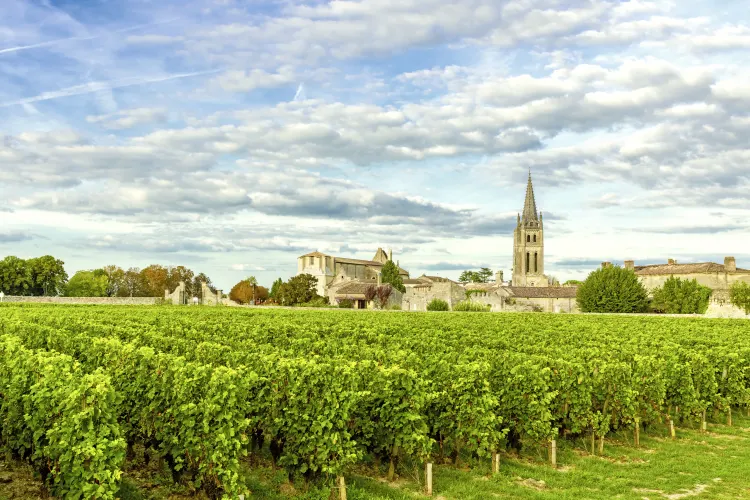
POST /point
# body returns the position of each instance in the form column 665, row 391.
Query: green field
column 160, row 401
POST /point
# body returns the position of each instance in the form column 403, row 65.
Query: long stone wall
column 114, row 301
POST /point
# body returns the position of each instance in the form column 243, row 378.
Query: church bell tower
column 528, row 244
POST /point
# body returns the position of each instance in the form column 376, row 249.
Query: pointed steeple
column 529, row 205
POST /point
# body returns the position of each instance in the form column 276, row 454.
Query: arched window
column 528, row 256
column 528, row 238
column 534, row 238
column 536, row 263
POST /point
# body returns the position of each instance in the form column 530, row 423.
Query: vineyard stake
column 637, row 432
column 342, row 488
column 553, row 452
column 428, row 474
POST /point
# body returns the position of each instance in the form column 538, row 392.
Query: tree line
column 46, row 276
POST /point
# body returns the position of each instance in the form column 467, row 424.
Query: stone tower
column 528, row 244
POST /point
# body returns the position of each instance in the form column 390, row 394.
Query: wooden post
column 729, row 417
column 704, row 427
column 342, row 488
column 495, row 462
column 553, row 452
column 671, row 428
column 428, row 474
column 601, row 445
column 637, row 432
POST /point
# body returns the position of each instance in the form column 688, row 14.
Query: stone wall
column 114, row 301
column 715, row 281
column 178, row 297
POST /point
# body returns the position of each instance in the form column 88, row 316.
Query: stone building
column 718, row 277
column 421, row 291
column 334, row 273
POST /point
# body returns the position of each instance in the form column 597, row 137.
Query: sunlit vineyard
column 203, row 388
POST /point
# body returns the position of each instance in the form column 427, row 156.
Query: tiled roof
column 354, row 288
column 697, row 268
column 534, row 292
column 417, row 281
column 480, row 286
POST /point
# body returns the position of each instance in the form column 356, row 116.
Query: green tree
column 484, row 275
column 677, row 296
column 154, row 281
column 46, row 275
column 275, row 289
column 87, row 284
column 390, row 274
column 14, row 276
column 572, row 283
column 612, row 289
column 298, row 290
column 739, row 295
column 115, row 279
column 133, row 284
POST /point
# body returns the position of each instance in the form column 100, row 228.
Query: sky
column 233, row 136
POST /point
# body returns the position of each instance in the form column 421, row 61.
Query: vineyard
column 203, row 389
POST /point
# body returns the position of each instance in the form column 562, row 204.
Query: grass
column 715, row 465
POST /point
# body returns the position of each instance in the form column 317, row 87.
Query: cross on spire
column 529, row 206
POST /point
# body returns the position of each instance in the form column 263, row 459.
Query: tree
column 384, row 293
column 484, row 275
column 14, row 276
column 154, row 279
column 252, row 280
column 390, row 275
column 370, row 293
column 133, row 284
column 298, row 290
column 46, row 275
column 87, row 284
column 677, row 296
column 572, row 283
column 739, row 295
column 242, row 292
column 115, row 278
column 612, row 289
column 275, row 289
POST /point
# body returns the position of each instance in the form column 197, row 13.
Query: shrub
column 679, row 296
column 438, row 305
column 316, row 302
column 395, row 307
column 469, row 306
column 612, row 289
column 346, row 304
column 739, row 296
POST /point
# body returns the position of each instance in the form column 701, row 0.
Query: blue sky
column 232, row 136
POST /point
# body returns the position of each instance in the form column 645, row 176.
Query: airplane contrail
column 81, row 38
column 92, row 87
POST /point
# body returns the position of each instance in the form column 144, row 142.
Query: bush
column 469, row 306
column 316, row 302
column 612, row 289
column 739, row 296
column 438, row 305
column 679, row 296
column 346, row 304
column 395, row 307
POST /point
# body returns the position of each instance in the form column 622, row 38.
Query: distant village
column 343, row 278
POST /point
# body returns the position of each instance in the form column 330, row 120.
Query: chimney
column 390, row 254
column 499, row 277
column 730, row 265
column 629, row 264
column 671, row 262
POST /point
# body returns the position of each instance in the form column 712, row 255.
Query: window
column 528, row 255
column 528, row 238
column 534, row 238
column 536, row 263
column 312, row 260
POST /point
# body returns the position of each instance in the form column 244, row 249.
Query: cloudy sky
column 234, row 135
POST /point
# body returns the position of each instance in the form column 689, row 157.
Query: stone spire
column 529, row 206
